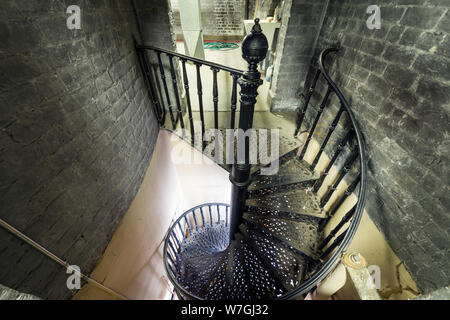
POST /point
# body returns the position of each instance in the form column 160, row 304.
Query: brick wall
column 397, row 81
column 219, row 17
column 155, row 21
column 77, row 133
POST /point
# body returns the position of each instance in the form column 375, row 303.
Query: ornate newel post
column 254, row 50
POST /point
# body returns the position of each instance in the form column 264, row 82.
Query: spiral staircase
column 280, row 236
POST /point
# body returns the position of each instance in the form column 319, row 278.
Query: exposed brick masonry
column 397, row 80
column 77, row 132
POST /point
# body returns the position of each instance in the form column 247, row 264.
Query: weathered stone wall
column 397, row 81
column 77, row 133
column 155, row 20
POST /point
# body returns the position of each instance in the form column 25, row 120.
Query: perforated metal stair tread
column 216, row 288
column 196, row 271
column 291, row 171
column 298, row 200
column 263, row 282
column 284, row 215
column 301, row 236
column 288, row 266
column 286, row 145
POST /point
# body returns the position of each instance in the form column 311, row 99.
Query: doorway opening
column 222, row 26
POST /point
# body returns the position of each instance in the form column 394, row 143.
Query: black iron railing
column 162, row 98
column 332, row 251
column 209, row 218
column 254, row 49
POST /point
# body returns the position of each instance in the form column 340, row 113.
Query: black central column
column 254, row 50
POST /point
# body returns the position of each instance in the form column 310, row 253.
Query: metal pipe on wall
column 58, row 260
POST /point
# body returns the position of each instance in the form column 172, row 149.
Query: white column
column 191, row 25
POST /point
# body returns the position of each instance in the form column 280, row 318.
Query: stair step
column 216, row 287
column 288, row 267
column 239, row 288
column 291, row 171
column 263, row 282
column 296, row 200
column 301, row 236
column 196, row 271
column 285, row 215
column 286, row 145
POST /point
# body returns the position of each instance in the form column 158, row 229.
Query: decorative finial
column 256, row 27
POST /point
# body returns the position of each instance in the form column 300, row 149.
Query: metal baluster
column 176, row 239
column 188, row 224
column 159, row 93
column 173, row 249
column 347, row 193
column 200, row 100
column 147, row 76
column 188, row 99
column 301, row 115
column 210, row 216
column 336, row 243
column 340, row 147
column 195, row 220
column 215, row 98
column 175, row 89
column 325, row 141
column 313, row 128
column 333, row 233
column 230, row 144
column 171, row 260
column 226, row 216
column 348, row 164
column 203, row 217
column 182, row 232
column 234, row 100
column 163, row 77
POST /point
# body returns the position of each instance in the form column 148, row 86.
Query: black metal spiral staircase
column 275, row 240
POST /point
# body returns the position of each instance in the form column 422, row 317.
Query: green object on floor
column 220, row 45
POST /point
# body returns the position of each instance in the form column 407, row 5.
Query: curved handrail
column 166, row 244
column 195, row 60
column 327, row 267
column 350, row 232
